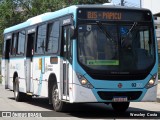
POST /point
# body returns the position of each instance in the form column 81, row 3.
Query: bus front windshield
column 116, row 47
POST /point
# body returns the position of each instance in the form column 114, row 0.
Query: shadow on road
column 41, row 102
column 86, row 110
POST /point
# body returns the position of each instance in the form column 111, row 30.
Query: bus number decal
column 67, row 21
column 9, row 37
column 31, row 30
column 138, row 85
column 133, row 84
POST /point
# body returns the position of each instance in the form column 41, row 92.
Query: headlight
column 151, row 82
column 84, row 82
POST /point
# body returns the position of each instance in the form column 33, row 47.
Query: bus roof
column 110, row 6
column 41, row 18
column 51, row 15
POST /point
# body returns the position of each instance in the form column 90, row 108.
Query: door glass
column 67, row 56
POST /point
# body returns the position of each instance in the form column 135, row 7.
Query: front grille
column 132, row 95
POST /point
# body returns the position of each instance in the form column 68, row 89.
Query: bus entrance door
column 67, row 74
column 6, row 64
column 28, row 62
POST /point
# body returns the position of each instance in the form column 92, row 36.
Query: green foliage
column 35, row 7
column 9, row 16
column 92, row 1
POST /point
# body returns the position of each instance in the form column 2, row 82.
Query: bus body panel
column 28, row 75
column 80, row 93
column 150, row 95
column 71, row 91
column 42, row 68
column 112, row 86
column 4, row 72
column 17, row 66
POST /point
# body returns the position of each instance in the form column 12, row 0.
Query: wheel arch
column 51, row 81
column 15, row 74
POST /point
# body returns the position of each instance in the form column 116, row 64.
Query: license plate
column 120, row 99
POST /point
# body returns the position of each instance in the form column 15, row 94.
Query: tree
column 75, row 2
column 36, row 7
column 13, row 12
column 9, row 15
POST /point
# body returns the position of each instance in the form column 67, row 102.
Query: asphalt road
column 75, row 111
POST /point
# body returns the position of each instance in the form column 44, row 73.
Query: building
column 157, row 27
column 153, row 5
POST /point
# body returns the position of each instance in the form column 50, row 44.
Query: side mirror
column 72, row 28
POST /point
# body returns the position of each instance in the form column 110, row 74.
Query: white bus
column 84, row 53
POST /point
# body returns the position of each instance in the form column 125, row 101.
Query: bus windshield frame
column 118, row 63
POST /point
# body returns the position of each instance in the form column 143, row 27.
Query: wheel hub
column 56, row 97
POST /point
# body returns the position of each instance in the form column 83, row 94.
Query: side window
column 67, row 45
column 40, row 41
column 21, row 42
column 6, row 48
column 144, row 39
column 14, row 44
column 52, row 37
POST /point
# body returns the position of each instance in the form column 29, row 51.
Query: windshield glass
column 125, row 47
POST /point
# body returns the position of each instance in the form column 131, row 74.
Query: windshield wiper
column 127, row 37
column 108, row 35
column 134, row 25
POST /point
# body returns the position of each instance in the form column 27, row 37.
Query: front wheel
column 120, row 106
column 58, row 105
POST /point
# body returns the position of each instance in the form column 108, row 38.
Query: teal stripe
column 40, row 85
column 41, row 76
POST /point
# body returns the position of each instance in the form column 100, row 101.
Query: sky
column 153, row 5
column 133, row 3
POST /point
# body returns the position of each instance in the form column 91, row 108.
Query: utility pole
column 122, row 2
column 140, row 3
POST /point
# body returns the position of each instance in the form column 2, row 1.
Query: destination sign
column 114, row 14
column 104, row 15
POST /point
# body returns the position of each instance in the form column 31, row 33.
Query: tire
column 58, row 105
column 120, row 106
column 19, row 96
column 27, row 98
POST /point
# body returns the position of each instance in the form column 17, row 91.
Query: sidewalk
column 158, row 91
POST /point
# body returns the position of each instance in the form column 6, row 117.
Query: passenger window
column 41, row 36
column 52, row 37
column 21, row 43
column 6, row 48
column 14, row 44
